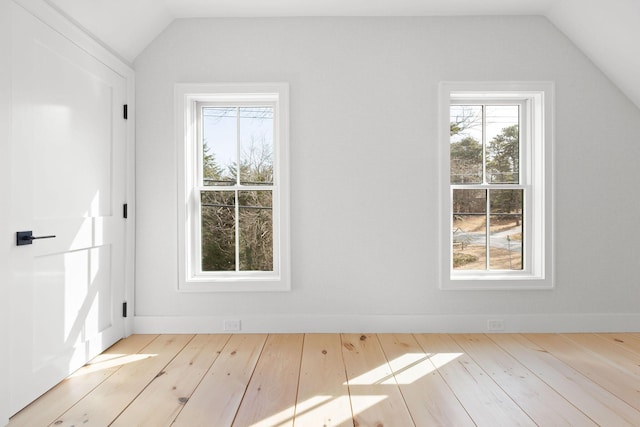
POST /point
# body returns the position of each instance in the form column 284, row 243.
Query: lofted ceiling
column 608, row 32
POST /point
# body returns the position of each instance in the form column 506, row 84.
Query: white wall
column 5, row 175
column 364, row 173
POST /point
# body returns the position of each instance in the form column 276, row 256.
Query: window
column 497, row 191
column 233, row 187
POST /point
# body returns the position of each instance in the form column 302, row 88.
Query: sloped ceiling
column 125, row 26
column 608, row 32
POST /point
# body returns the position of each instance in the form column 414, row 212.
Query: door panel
column 68, row 127
column 77, row 285
column 68, row 146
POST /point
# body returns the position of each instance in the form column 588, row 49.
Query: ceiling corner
column 138, row 22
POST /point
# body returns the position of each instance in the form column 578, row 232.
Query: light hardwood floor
column 379, row 380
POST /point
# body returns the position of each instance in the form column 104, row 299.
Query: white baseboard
column 530, row 323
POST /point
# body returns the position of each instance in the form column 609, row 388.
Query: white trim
column 302, row 323
column 540, row 272
column 130, row 244
column 187, row 96
column 50, row 14
column 6, row 162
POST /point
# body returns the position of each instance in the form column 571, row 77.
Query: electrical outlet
column 495, row 325
column 231, row 325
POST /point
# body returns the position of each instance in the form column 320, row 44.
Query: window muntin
column 236, row 231
column 487, row 229
column 487, row 217
column 236, row 218
column 472, row 174
column 233, row 187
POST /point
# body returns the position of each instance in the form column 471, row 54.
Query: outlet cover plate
column 495, row 325
column 232, row 325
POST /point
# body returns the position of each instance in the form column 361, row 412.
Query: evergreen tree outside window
column 498, row 149
column 235, row 187
column 487, row 193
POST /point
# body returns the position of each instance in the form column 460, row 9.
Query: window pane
column 256, row 145
column 466, row 144
column 503, row 144
column 506, row 230
column 220, row 145
column 469, row 230
column 256, row 230
column 218, row 231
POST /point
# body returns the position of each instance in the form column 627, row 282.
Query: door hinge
column 124, row 309
column 125, row 211
column 125, row 112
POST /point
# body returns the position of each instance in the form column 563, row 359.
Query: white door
column 68, row 180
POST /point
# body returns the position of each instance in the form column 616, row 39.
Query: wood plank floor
column 326, row 380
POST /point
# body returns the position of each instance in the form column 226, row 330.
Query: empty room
column 333, row 213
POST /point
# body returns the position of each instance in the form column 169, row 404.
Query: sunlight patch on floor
column 285, row 417
column 410, row 367
column 441, row 359
column 324, row 411
column 405, row 369
column 109, row 361
column 329, row 411
column 378, row 375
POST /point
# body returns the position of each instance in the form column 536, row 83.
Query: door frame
column 58, row 22
column 5, row 191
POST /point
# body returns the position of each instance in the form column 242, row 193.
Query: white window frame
column 188, row 99
column 536, row 178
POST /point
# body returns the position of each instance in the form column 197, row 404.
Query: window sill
column 235, row 285
column 495, row 282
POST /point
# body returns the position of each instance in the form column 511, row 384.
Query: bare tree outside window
column 237, row 204
column 487, row 222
